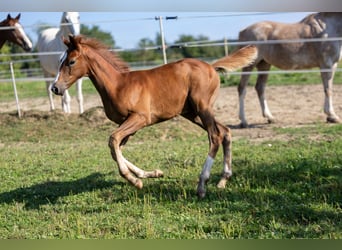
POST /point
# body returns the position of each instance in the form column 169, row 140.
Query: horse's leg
column 260, row 88
column 215, row 137
column 242, row 94
column 226, row 144
column 137, row 171
column 133, row 123
column 48, row 90
column 79, row 95
column 227, row 156
column 66, row 102
column 327, row 78
column 143, row 174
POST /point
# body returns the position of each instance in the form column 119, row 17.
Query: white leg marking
column 205, row 174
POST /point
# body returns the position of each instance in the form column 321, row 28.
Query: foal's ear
column 73, row 41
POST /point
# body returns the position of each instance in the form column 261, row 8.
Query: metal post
column 15, row 90
column 162, row 38
column 225, row 46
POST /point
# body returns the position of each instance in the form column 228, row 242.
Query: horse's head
column 70, row 23
column 71, row 65
column 15, row 32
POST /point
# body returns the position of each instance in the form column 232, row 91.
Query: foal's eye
column 72, row 62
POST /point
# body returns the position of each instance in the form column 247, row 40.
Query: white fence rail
column 36, row 74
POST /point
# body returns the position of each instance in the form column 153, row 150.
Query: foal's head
column 75, row 63
column 15, row 33
column 72, row 65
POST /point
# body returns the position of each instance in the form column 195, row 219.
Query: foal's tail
column 239, row 59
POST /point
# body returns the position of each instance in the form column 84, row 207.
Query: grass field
column 58, row 181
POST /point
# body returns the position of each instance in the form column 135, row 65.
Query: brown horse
column 12, row 31
column 294, row 55
column 136, row 99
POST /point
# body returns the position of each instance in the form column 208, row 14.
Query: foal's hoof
column 201, row 194
column 138, row 184
column 158, row 173
column 222, row 183
column 333, row 120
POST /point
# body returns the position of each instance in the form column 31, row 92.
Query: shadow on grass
column 48, row 192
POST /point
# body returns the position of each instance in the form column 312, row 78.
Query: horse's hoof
column 158, row 173
column 270, row 120
column 138, row 184
column 333, row 120
column 200, row 191
column 201, row 194
column 222, row 183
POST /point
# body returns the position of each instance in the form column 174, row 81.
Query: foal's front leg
column 128, row 170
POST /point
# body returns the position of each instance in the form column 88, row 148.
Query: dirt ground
column 292, row 106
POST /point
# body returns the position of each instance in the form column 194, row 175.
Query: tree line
column 140, row 54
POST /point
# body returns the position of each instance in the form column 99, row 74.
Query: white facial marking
column 74, row 19
column 22, row 32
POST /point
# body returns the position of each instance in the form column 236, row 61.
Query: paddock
column 293, row 104
column 286, row 182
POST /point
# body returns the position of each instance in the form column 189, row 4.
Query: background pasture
column 59, row 181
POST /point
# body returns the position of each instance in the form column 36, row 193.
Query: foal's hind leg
column 216, row 135
column 227, row 156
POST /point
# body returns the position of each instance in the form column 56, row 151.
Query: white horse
column 50, row 40
column 295, row 55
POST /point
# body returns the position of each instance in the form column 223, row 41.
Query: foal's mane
column 103, row 50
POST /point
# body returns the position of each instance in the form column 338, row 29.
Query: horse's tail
column 239, row 59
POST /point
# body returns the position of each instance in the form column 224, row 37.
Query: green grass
column 37, row 89
column 58, row 181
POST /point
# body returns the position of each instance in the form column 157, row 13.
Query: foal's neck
column 102, row 73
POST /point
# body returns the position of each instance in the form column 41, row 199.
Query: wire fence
column 36, row 74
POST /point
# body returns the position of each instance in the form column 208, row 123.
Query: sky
column 127, row 28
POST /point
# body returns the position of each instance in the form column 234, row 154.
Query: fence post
column 162, row 37
column 15, row 90
column 225, row 46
